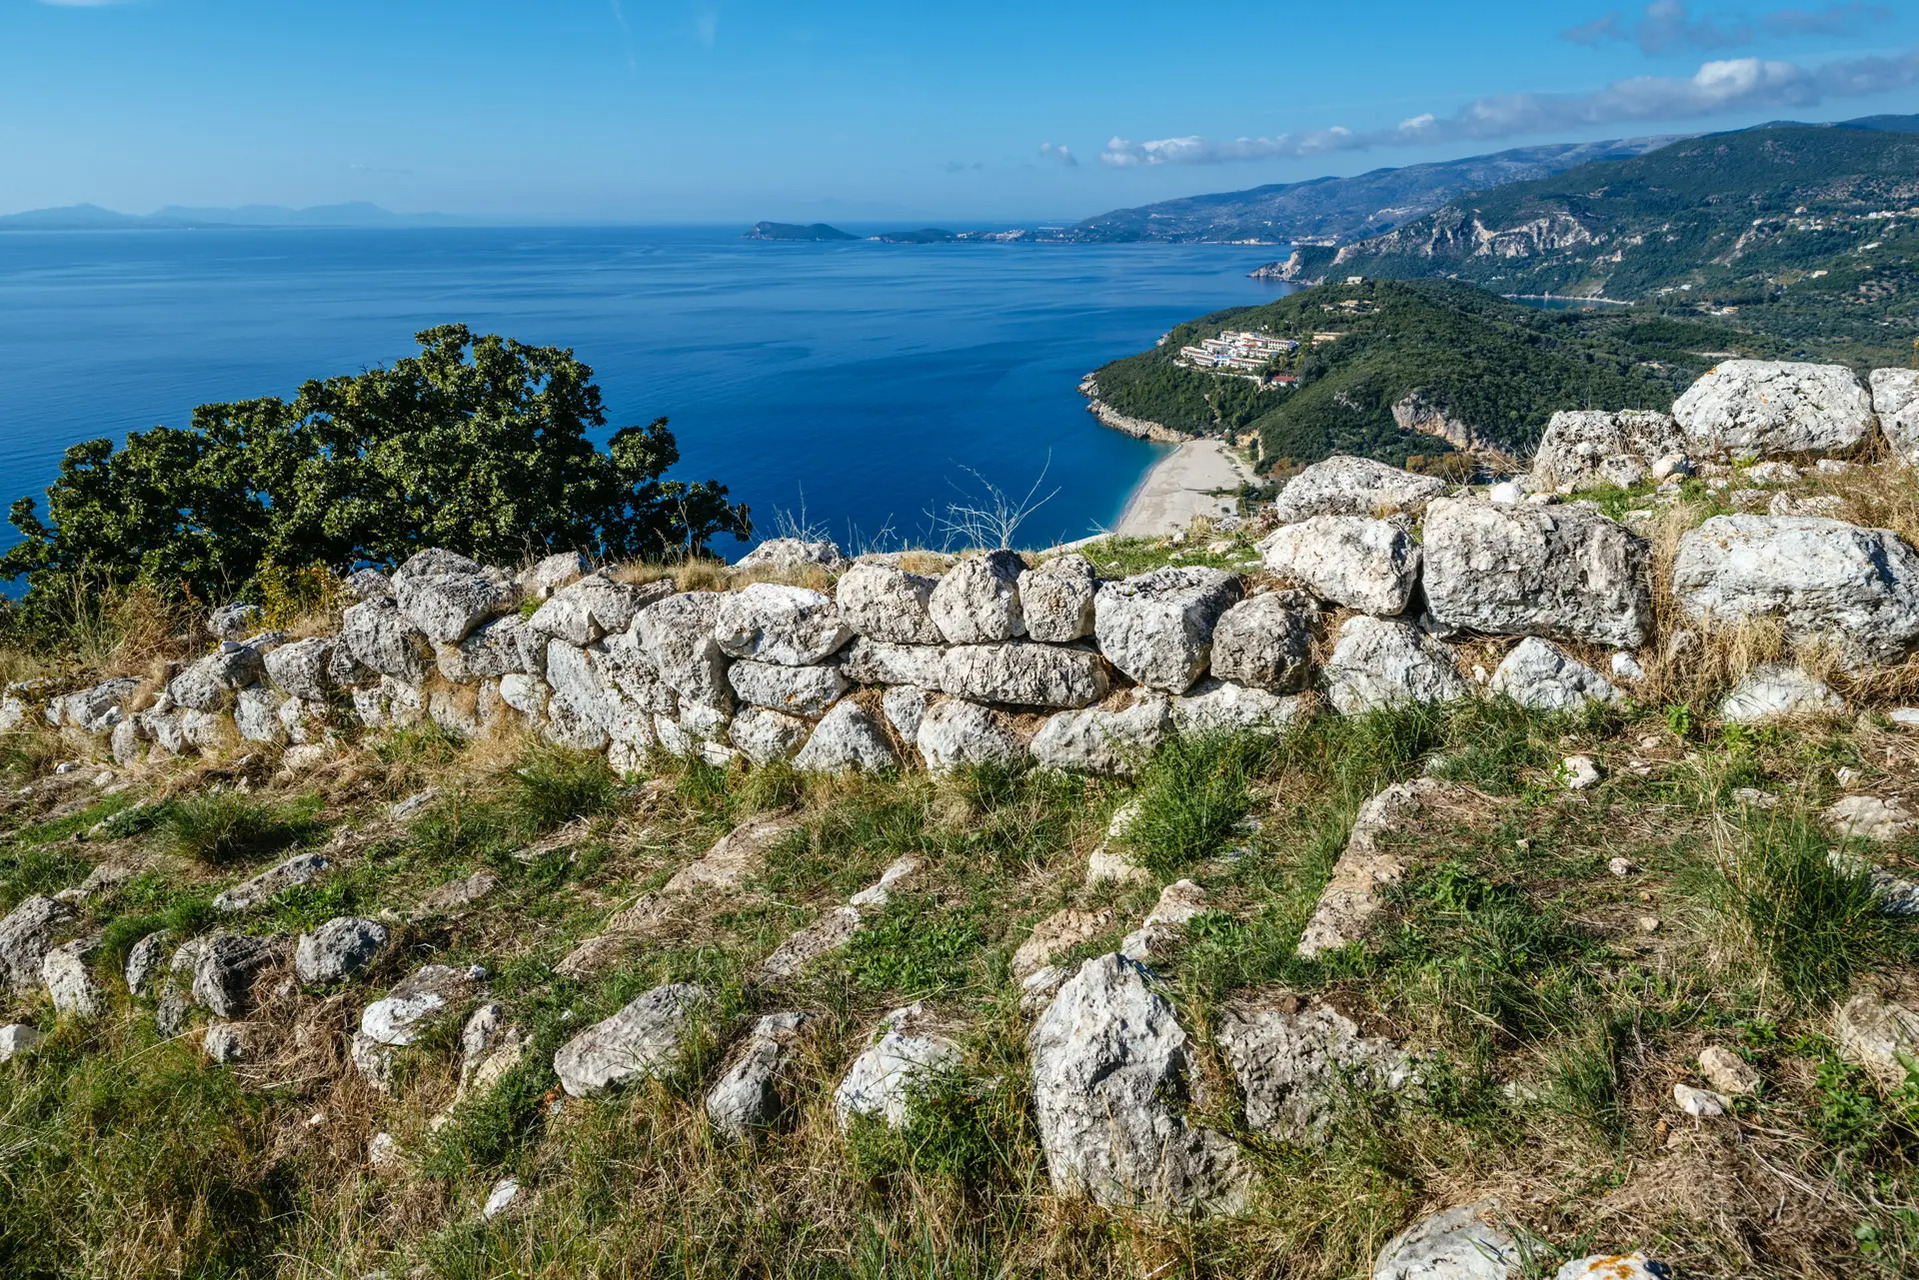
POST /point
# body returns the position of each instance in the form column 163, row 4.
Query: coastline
column 1181, row 486
column 1111, row 417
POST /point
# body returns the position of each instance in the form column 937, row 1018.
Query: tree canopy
column 481, row 445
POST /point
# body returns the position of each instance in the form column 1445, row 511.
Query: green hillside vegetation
column 1788, row 224
column 795, row 231
column 1500, row 367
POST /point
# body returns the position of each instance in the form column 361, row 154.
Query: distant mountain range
column 90, row 217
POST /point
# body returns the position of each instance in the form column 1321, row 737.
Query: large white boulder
column 1057, row 599
column 792, row 626
column 848, row 740
column 642, row 1040
column 1540, row 676
column 1344, row 485
column 593, row 607
column 1379, row 663
column 1370, row 565
column 299, row 669
column 1222, row 706
column 785, row 555
column 889, row 604
column 1296, row 1060
column 797, row 691
column 1821, row 579
column 677, row 633
column 1895, row 398
column 956, row 732
column 879, row 662
column 382, row 639
column 1588, row 447
column 1022, row 673
column 1764, row 408
column 1111, row 1077
column 1113, row 743
column 447, row 600
column 1778, row 691
column 96, row 709
column 1158, row 627
column 539, row 580
column 1467, row 1243
column 1558, row 571
column 977, row 600
column 1265, row 642
column 767, row 736
column 210, row 683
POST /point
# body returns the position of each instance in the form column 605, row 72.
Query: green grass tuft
column 1191, row 797
column 221, row 827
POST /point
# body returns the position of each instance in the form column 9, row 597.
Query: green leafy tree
column 478, row 444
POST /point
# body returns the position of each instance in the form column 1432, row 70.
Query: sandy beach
column 1179, row 488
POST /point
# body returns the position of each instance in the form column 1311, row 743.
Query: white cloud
column 1734, row 84
column 1059, row 154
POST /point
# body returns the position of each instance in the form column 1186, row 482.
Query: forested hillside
column 1498, row 369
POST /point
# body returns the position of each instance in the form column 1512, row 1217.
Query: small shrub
column 220, row 827
column 1191, row 797
column 552, row 787
column 914, row 950
column 956, row 1129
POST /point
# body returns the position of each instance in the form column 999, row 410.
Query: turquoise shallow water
column 857, row 381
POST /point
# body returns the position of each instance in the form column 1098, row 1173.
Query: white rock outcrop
column 806, row 692
column 884, row 603
column 748, row 1094
column 1540, row 676
column 977, row 601
column 1110, row 1077
column 338, row 949
column 1876, row 1033
column 1354, row 894
column 1369, row 565
column 1158, row 627
column 1265, row 642
column 1895, row 399
column 1379, row 663
column 764, row 736
column 1467, row 1243
column 1585, row 448
column 1222, row 706
column 1821, row 579
column 642, row 1040
column 1296, row 1062
column 422, row 998
column 1762, row 408
column 907, row 1052
column 1564, row 572
column 1344, row 485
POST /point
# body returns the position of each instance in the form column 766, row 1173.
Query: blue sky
column 694, row 110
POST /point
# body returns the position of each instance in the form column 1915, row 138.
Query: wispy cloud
column 1734, row 84
column 626, row 37
column 1059, row 154
column 706, row 23
column 1668, row 26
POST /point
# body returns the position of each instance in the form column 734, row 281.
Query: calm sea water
column 857, row 382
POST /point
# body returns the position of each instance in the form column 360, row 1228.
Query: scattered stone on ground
column 17, row 1038
column 1778, row 691
column 1727, row 1072
column 1875, row 1033
column 1352, row 896
column 1580, row 773
column 907, row 1051
column 1467, row 1243
column 425, row 996
column 748, row 1094
column 1296, row 1060
column 642, row 1040
column 1869, row 818
column 1700, row 1103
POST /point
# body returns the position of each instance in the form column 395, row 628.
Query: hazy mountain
column 88, row 217
column 1342, row 208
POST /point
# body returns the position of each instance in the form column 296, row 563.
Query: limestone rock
column 1344, row 485
column 224, row 967
column 1701, row 1104
column 1158, row 627
column 1614, row 1266
column 1580, row 773
column 503, row 647
column 1381, row 663
column 527, row 695
column 490, row 1046
column 1760, row 408
column 1895, row 399
column 848, row 739
column 905, row 707
column 747, row 1095
column 223, row 1044
column 798, row 691
column 831, row 931
column 1776, row 691
column 143, row 961
column 69, row 979
column 593, row 607
column 784, row 555
column 767, row 736
column 678, row 633
column 1264, row 642
column 977, row 601
column 1109, row 860
column 1057, row 599
column 1110, row 1074
column 1057, row 934
column 446, row 604
column 16, row 1038
column 1727, row 1072
column 1295, row 1062
column 1352, row 896
column 956, row 732
column 642, row 1040
column 1370, row 565
column 26, row 935
column 1111, row 743
column 1869, row 818
column 542, row 578
column 1558, row 571
column 1467, row 1243
column 301, row 868
column 1540, row 676
column 1165, row 925
column 888, row 604
column 1822, row 579
column 1221, row 706
column 905, row 1051
column 210, row 683
column 731, row 859
column 791, row 626
column 1874, row 1032
column 420, row 999
column 880, row 662
column 233, row 621
column 580, row 709
column 338, row 949
column 1023, row 673
column 1585, row 448
column 96, row 709
column 379, row 637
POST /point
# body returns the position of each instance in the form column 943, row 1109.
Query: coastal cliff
column 1140, row 427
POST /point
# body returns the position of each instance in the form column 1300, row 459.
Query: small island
column 794, row 231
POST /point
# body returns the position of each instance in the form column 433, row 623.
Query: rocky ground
column 1548, row 913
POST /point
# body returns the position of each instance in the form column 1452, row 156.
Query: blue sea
column 856, row 387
